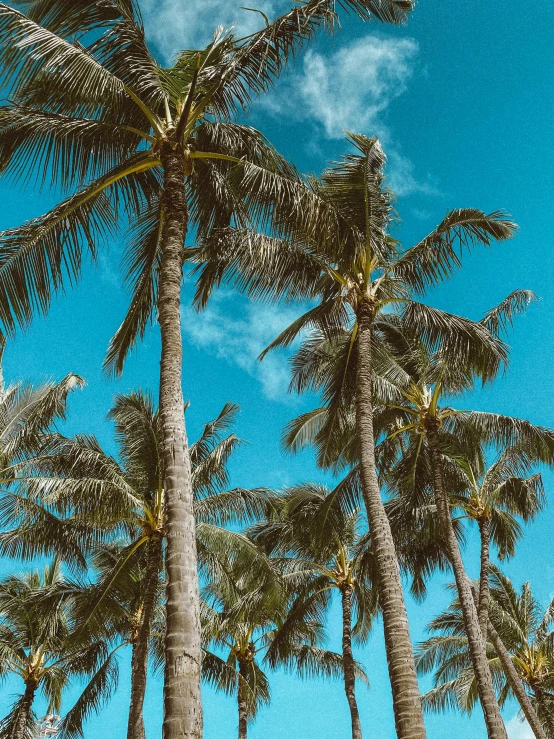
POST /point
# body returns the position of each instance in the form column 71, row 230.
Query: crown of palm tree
column 72, row 494
column 251, row 618
column 41, row 644
column 91, row 106
column 74, row 500
column 526, row 632
column 335, row 248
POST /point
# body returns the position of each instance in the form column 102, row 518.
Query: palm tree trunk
column 348, row 661
column 139, row 664
column 24, row 711
column 483, row 678
column 241, row 700
column 515, row 683
column 545, row 711
column 182, row 701
column 484, row 592
column 135, row 724
column 400, row 657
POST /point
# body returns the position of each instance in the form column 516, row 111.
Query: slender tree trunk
column 545, row 710
column 24, row 711
column 484, row 591
column 515, row 683
column 487, row 696
column 182, row 701
column 139, row 664
column 408, row 714
column 135, row 724
column 348, row 661
column 241, row 700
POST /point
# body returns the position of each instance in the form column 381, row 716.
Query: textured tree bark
column 408, row 714
column 515, row 683
column 135, row 723
column 487, row 696
column 24, row 711
column 544, row 710
column 484, row 591
column 139, row 663
column 182, row 701
column 241, row 701
column 348, row 661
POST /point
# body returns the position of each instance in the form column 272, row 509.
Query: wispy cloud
column 174, row 25
column 236, row 331
column 402, row 178
column 518, row 729
column 351, row 88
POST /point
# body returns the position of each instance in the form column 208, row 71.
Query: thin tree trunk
column 182, row 701
column 515, row 683
column 545, row 711
column 484, row 591
column 24, row 711
column 241, row 700
column 348, row 661
column 135, row 724
column 487, row 696
column 139, row 664
column 408, row 714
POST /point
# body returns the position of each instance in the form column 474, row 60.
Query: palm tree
column 120, row 605
column 76, row 495
column 338, row 251
column 105, row 121
column 27, row 415
column 432, row 434
column 525, row 634
column 247, row 614
column 494, row 498
column 332, row 556
column 38, row 643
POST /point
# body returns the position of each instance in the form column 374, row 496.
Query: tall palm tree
column 247, row 616
column 38, row 643
column 494, row 498
column 74, row 495
column 338, row 250
column 431, row 432
column 27, row 415
column 332, row 556
column 526, row 635
column 101, row 118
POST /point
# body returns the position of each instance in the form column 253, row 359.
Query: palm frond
column 94, row 696
column 436, row 256
column 39, row 257
column 142, row 260
column 499, row 318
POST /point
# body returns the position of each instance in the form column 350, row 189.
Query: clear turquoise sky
column 463, row 100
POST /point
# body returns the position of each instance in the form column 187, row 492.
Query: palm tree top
column 39, row 641
column 525, row 629
column 99, row 116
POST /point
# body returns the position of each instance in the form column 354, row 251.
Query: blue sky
column 462, row 99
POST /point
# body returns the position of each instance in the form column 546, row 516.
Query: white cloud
column 402, row 177
column 351, row 88
column 239, row 337
column 518, row 729
column 421, row 214
column 108, row 270
column 174, row 25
